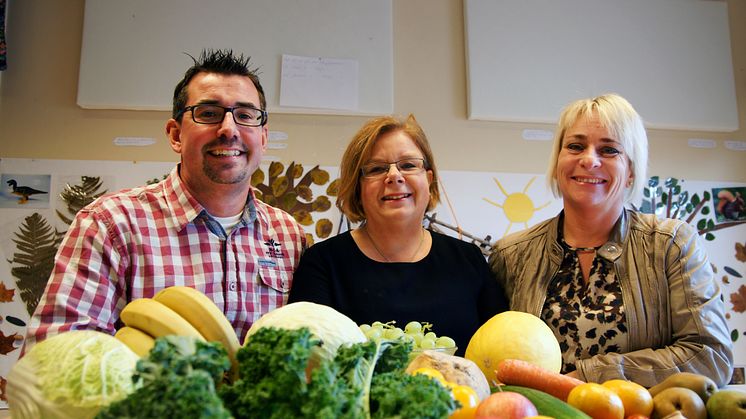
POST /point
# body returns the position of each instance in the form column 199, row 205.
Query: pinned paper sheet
column 317, row 82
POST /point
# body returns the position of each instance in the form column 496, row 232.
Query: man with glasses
column 201, row 226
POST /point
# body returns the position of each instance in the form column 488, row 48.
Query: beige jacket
column 675, row 314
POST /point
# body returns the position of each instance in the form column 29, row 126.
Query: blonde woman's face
column 593, row 170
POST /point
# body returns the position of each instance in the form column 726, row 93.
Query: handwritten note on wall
column 318, row 82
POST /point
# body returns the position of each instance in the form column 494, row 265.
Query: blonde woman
column 628, row 295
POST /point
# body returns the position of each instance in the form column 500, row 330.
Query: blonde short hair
column 358, row 152
column 623, row 123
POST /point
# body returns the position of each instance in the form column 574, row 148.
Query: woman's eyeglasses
column 408, row 166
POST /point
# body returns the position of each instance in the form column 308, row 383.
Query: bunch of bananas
column 176, row 310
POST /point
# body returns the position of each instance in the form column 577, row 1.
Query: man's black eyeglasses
column 214, row 114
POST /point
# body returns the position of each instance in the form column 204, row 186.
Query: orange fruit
column 468, row 399
column 597, row 401
column 635, row 398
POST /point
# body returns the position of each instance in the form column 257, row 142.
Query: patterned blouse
column 586, row 319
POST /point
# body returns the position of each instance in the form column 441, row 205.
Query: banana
column 140, row 342
column 155, row 319
column 199, row 310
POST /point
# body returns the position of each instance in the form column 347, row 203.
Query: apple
column 727, row 404
column 506, row 405
column 679, row 399
column 637, row 416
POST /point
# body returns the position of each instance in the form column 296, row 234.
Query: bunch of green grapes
column 419, row 334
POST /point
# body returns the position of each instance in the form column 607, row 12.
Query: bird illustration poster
column 25, row 191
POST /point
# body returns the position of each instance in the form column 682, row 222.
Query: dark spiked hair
column 220, row 62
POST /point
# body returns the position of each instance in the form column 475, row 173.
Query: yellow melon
column 514, row 335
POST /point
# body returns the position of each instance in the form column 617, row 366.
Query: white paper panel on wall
column 132, row 53
column 671, row 59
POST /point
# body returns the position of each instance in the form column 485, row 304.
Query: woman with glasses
column 390, row 267
column 628, row 295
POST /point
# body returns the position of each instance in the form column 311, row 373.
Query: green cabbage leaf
column 71, row 375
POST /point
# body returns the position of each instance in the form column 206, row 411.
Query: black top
column 452, row 287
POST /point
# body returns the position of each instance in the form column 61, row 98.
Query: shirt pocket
column 276, row 277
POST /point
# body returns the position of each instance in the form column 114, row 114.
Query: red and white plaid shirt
column 133, row 243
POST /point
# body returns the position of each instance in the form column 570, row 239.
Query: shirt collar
column 612, row 249
column 185, row 209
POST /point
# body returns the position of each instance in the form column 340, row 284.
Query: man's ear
column 265, row 136
column 173, row 131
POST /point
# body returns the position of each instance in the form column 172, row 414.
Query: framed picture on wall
column 729, row 204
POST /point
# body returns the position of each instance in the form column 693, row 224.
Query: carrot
column 521, row 373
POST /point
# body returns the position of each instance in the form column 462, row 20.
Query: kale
column 178, row 379
column 398, row 394
column 272, row 379
column 364, row 380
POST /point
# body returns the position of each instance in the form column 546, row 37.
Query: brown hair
column 358, row 152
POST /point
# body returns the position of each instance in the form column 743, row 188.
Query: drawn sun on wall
column 518, row 207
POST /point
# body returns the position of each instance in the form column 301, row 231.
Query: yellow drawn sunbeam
column 518, row 207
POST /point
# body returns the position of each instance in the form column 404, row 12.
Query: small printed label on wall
column 133, row 141
column 735, row 145
column 537, row 135
column 702, row 143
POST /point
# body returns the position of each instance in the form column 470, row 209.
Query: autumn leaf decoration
column 9, row 343
column 741, row 252
column 3, row 382
column 738, row 299
column 6, row 295
column 282, row 191
column 78, row 196
column 36, row 246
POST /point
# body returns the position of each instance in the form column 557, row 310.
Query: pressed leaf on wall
column 289, row 200
column 303, row 217
column 36, row 246
column 738, row 299
column 257, row 177
column 732, row 271
column 80, row 195
column 275, row 168
column 321, row 204
column 318, row 176
column 280, row 186
column 333, row 188
column 304, row 192
column 290, row 190
column 8, row 342
column 15, row 321
column 740, row 252
column 295, row 170
column 6, row 295
column 324, row 228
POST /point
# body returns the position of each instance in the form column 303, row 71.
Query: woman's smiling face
column 395, row 197
column 593, row 169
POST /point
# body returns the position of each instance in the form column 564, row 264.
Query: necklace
column 580, row 249
column 419, row 246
